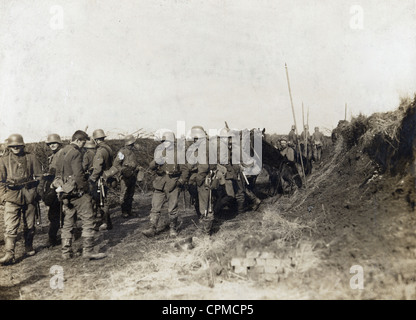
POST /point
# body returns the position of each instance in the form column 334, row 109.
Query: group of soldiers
column 310, row 145
column 80, row 174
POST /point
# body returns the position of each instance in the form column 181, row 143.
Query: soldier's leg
column 11, row 214
column 54, row 222
column 239, row 195
column 68, row 229
column 86, row 214
column 128, row 194
column 173, row 200
column 158, row 199
column 193, row 191
column 207, row 217
column 29, row 217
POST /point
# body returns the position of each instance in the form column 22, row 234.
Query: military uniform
column 50, row 198
column 317, row 144
column 305, row 144
column 19, row 179
column 126, row 163
column 87, row 160
column 200, row 184
column 170, row 177
column 76, row 201
column 230, row 180
column 102, row 161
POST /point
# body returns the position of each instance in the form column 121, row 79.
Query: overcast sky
column 126, row 65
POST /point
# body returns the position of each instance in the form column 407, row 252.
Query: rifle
column 209, row 184
column 38, row 216
column 101, row 191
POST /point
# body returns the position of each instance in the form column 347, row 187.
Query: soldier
column 126, row 163
column 286, row 151
column 305, row 143
column 50, row 198
column 229, row 175
column 292, row 142
column 72, row 188
column 200, row 180
column 317, row 144
column 20, row 173
column 167, row 185
column 102, row 161
column 88, row 157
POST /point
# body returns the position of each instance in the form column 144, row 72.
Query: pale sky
column 126, row 65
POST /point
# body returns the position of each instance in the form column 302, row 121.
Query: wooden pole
column 294, row 120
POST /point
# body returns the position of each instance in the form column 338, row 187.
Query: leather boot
column 28, row 236
column 8, row 258
column 151, row 231
column 173, row 226
column 67, row 249
column 88, row 250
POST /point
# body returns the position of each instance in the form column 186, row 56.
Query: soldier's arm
column 97, row 164
column 3, row 178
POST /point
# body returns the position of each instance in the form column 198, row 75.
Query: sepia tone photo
column 179, row 150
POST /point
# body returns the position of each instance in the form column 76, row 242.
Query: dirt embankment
column 348, row 234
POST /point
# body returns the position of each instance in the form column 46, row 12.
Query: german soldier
column 126, row 163
column 20, row 173
column 49, row 196
column 167, row 185
column 72, row 188
column 201, row 179
column 102, row 161
column 88, row 156
column 317, row 143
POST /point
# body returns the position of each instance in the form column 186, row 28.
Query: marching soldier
column 317, row 144
column 167, row 185
column 305, row 143
column 50, row 198
column 200, row 180
column 72, row 188
column 20, row 173
column 229, row 175
column 102, row 161
column 126, row 163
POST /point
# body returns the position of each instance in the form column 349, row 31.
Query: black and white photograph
column 224, row 152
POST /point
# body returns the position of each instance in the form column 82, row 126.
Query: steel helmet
column 99, row 133
column 224, row 133
column 164, row 135
column 53, row 138
column 198, row 132
column 15, row 140
column 128, row 140
column 293, row 127
column 90, row 145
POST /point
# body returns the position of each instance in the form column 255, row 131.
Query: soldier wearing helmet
column 20, row 173
column 231, row 187
column 73, row 190
column 201, row 178
column 126, row 163
column 305, row 143
column 170, row 179
column 317, row 144
column 90, row 149
column 102, row 161
column 49, row 197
